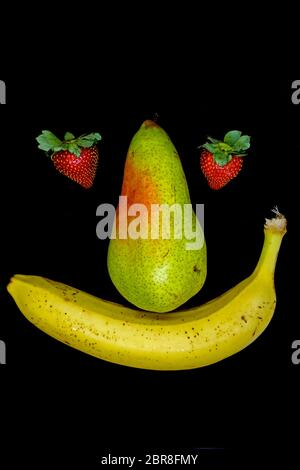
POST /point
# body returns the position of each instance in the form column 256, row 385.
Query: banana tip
column 13, row 279
column 9, row 285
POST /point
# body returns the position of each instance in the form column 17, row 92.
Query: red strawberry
column 75, row 158
column 222, row 161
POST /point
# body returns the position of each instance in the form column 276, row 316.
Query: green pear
column 157, row 251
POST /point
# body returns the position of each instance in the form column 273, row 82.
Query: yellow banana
column 186, row 339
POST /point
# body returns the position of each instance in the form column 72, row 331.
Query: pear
column 153, row 260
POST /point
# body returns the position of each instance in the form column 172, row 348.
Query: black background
column 48, row 229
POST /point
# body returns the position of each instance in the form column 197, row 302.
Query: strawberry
column 222, row 161
column 75, row 158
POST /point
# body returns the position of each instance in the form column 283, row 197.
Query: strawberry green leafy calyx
column 50, row 143
column 234, row 145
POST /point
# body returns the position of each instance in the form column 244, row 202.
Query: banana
column 185, row 339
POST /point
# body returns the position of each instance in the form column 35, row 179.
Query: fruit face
column 157, row 274
column 81, row 169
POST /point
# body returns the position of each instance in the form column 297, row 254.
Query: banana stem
column 275, row 229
